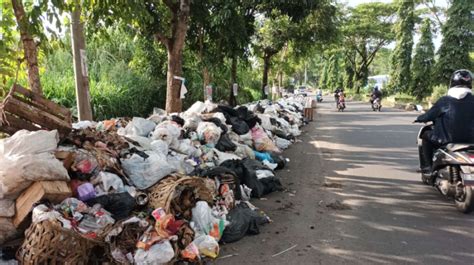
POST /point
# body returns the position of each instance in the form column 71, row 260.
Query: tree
column 366, row 29
column 29, row 46
column 271, row 37
column 335, row 77
column 166, row 21
column 401, row 57
column 423, row 62
column 222, row 30
column 305, row 23
column 458, row 39
column 30, row 18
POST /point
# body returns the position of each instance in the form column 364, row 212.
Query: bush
column 438, row 91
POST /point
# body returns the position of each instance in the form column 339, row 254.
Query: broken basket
column 177, row 194
column 48, row 242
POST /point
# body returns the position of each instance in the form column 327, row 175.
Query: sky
column 437, row 38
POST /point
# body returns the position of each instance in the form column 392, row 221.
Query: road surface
column 367, row 161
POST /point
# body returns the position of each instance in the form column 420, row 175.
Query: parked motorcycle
column 376, row 106
column 452, row 172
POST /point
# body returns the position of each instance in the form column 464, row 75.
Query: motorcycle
column 319, row 98
column 341, row 102
column 452, row 172
column 376, row 106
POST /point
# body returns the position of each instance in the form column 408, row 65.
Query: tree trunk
column 80, row 65
column 175, row 45
column 266, row 69
column 29, row 46
column 232, row 99
column 173, row 86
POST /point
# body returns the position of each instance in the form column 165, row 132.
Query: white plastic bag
column 202, row 218
column 139, row 127
column 29, row 143
column 167, row 131
column 209, row 132
column 145, row 172
column 282, row 143
column 26, row 157
column 110, row 182
column 160, row 253
column 207, row 246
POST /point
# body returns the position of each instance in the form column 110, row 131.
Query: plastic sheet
column 160, row 253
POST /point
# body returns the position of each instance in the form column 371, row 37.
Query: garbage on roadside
column 144, row 191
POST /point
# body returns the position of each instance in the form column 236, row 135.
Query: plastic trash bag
column 159, row 253
column 22, row 162
column 207, row 246
column 266, row 123
column 205, row 223
column 145, row 172
column 242, row 221
column 159, row 146
column 120, row 205
column 186, row 147
column 225, row 144
column 262, row 142
column 167, row 131
column 282, row 143
column 110, row 182
column 239, row 126
column 197, row 107
column 209, row 133
column 243, row 151
column 139, row 127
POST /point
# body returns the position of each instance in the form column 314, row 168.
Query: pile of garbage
column 161, row 189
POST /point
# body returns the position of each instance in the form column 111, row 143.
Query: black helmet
column 461, row 77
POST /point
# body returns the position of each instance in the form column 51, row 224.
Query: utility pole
column 80, row 64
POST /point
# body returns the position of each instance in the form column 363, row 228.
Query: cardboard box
column 54, row 191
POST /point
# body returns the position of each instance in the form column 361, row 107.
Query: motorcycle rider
column 453, row 117
column 376, row 94
column 336, row 95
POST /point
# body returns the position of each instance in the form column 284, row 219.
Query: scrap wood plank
column 54, row 191
column 25, row 109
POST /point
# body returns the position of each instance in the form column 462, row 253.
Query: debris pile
column 162, row 189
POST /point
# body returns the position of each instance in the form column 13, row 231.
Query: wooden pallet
column 23, row 109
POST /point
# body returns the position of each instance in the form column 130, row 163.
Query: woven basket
column 48, row 243
column 170, row 188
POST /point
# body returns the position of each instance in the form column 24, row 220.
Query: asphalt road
column 367, row 161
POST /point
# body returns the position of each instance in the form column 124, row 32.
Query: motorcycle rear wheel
column 467, row 204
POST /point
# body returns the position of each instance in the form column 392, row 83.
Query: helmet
column 461, row 77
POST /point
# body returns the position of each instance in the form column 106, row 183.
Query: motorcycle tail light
column 471, row 157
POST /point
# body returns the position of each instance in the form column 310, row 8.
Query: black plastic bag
column 246, row 170
column 225, row 144
column 118, row 204
column 239, row 126
column 243, row 221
